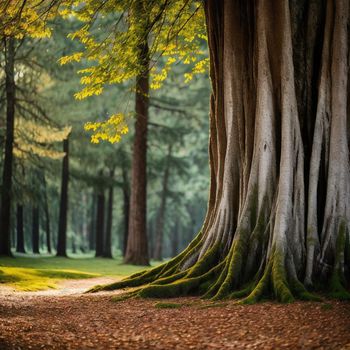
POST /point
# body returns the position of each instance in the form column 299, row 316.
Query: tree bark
column 92, row 226
column 47, row 218
column 126, row 208
column 35, row 230
column 175, row 239
column 20, row 230
column 62, row 223
column 137, row 246
column 162, row 208
column 100, row 223
column 6, row 197
column 279, row 131
column 108, row 241
column 84, row 224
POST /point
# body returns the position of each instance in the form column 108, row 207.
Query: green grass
column 326, row 306
column 208, row 306
column 28, row 279
column 39, row 273
column 168, row 305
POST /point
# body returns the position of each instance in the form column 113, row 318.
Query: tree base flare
column 212, row 280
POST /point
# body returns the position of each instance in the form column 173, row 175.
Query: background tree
column 45, row 104
column 63, row 213
column 5, row 240
column 138, row 39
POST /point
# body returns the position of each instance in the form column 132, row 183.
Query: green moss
column 261, row 288
column 162, row 274
column 168, row 305
column 337, row 290
column 337, row 281
column 279, row 280
column 170, row 279
column 125, row 296
column 181, row 287
column 212, row 305
column 216, row 285
column 302, row 293
column 243, row 292
column 239, row 248
column 326, row 306
column 208, row 260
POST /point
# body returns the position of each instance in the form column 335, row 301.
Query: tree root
column 210, row 282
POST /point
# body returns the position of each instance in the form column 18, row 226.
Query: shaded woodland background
column 51, row 146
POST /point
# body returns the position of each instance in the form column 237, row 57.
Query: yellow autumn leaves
column 175, row 33
column 110, row 130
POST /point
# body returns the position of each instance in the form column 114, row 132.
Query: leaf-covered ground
column 67, row 319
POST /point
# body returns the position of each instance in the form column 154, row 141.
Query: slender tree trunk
column 126, row 208
column 62, row 221
column 35, row 230
column 20, row 230
column 162, row 208
column 151, row 238
column 6, row 200
column 108, row 240
column 47, row 218
column 100, row 223
column 137, row 246
column 84, row 223
column 92, row 226
column 175, row 239
column 74, row 245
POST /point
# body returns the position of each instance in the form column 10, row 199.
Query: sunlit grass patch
column 29, row 279
column 32, row 273
column 82, row 263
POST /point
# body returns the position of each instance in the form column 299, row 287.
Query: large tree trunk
column 62, row 221
column 161, row 212
column 20, row 229
column 108, row 240
column 279, row 136
column 137, row 246
column 35, row 230
column 6, row 201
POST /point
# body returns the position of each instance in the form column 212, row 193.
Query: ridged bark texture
column 6, row 201
column 137, row 246
column 159, row 236
column 278, row 217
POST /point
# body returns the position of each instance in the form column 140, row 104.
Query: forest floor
column 64, row 318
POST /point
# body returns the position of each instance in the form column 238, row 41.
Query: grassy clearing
column 39, row 273
column 27, row 279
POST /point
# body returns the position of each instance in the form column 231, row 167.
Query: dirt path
column 71, row 320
